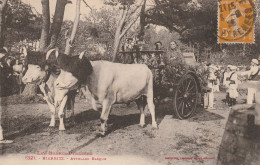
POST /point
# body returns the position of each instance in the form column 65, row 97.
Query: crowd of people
column 229, row 78
column 10, row 74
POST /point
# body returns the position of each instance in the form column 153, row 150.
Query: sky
column 70, row 8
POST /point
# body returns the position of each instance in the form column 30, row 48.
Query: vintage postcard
column 129, row 82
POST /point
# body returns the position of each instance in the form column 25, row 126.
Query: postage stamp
column 236, row 21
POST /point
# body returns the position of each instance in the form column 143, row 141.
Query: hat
column 233, row 67
column 158, row 42
column 229, row 66
column 255, row 61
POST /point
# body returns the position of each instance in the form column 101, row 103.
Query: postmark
column 236, row 21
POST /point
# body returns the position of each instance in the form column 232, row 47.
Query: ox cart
column 186, row 92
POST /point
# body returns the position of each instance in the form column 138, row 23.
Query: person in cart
column 174, row 53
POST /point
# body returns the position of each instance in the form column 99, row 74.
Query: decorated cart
column 184, row 82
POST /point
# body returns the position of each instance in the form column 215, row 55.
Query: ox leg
column 141, row 105
column 61, row 113
column 87, row 93
column 70, row 104
column 106, row 107
column 93, row 102
column 1, row 133
column 72, row 108
column 152, row 110
column 51, row 106
column 52, row 122
column 53, row 111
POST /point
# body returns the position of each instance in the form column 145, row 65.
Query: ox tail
column 150, row 84
column 150, row 98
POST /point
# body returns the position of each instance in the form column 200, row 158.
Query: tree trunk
column 119, row 29
column 116, row 44
column 57, row 22
column 45, row 25
column 142, row 22
column 70, row 40
column 123, row 27
column 1, row 30
column 2, row 15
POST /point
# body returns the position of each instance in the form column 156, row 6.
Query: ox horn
column 81, row 54
column 57, row 52
column 49, row 52
column 5, row 48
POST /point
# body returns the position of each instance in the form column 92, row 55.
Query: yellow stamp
column 236, row 21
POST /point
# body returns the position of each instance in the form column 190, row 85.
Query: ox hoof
column 101, row 133
column 61, row 132
column 155, row 126
column 50, row 128
column 62, row 129
column 6, row 141
column 142, row 125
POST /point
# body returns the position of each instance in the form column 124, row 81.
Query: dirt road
column 192, row 141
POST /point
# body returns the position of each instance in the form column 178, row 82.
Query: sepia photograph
column 129, row 82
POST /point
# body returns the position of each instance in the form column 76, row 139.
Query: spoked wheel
column 185, row 97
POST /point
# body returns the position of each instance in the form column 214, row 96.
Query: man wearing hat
column 158, row 45
column 253, row 75
column 209, row 96
column 226, row 81
column 233, row 84
column 226, row 77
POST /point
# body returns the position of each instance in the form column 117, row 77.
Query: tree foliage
column 21, row 22
column 173, row 14
column 96, row 28
column 194, row 20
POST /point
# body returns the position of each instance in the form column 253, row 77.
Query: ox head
column 36, row 66
column 74, row 70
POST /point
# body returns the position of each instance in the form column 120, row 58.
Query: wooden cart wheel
column 185, row 97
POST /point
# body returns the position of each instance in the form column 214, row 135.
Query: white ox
column 43, row 74
column 109, row 83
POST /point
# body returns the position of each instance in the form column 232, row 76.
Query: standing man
column 233, row 84
column 226, row 82
column 209, row 96
column 253, row 75
column 226, row 77
column 3, row 53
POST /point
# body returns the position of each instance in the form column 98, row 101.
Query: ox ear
column 24, row 51
column 81, row 55
column 49, row 53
